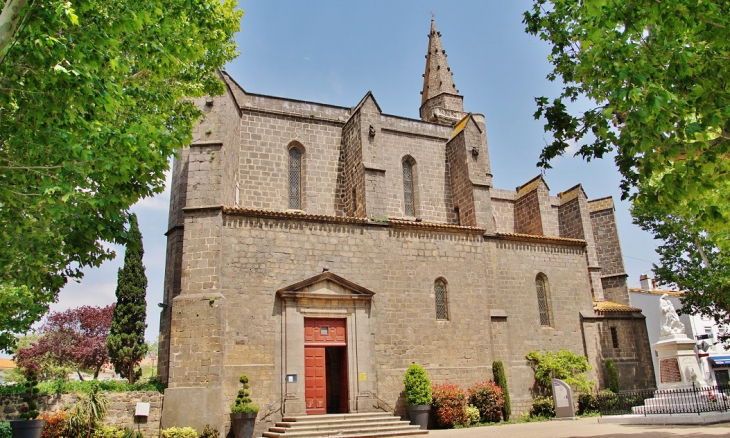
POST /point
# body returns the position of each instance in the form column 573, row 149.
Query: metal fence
column 690, row 400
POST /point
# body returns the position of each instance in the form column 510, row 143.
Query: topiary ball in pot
column 417, row 395
column 243, row 412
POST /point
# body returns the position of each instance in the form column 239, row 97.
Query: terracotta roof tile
column 7, row 363
column 534, row 237
column 608, row 306
column 434, row 226
column 293, row 215
column 672, row 293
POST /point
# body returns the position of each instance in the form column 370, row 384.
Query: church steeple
column 440, row 101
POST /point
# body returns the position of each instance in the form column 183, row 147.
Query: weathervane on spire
column 433, row 15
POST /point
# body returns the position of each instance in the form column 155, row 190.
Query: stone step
column 364, row 425
column 362, row 433
column 333, row 417
column 284, row 426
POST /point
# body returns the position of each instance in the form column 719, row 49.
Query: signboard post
column 563, row 399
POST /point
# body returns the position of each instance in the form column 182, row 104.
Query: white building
column 713, row 357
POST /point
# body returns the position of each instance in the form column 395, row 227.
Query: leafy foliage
column 587, row 403
column 104, row 431
column 449, row 405
column 417, row 386
column 75, row 338
column 500, row 378
column 5, row 431
column 94, row 102
column 179, row 432
column 67, row 387
column 542, row 407
column 472, row 415
column 125, row 342
column 657, row 73
column 612, row 374
column 31, row 391
column 89, row 412
column 56, row 424
column 209, row 432
column 692, row 260
column 242, row 404
column 486, row 396
column 564, row 365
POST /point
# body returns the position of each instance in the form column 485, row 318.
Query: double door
column 325, row 365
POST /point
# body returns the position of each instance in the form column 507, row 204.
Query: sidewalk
column 585, row 427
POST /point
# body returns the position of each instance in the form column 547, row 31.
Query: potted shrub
column 418, row 395
column 28, row 426
column 243, row 413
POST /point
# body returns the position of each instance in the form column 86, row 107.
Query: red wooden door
column 315, row 380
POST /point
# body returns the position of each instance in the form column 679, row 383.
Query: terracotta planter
column 27, row 428
column 242, row 424
column 419, row 415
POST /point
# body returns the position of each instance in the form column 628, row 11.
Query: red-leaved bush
column 486, row 396
column 449, row 405
column 56, row 424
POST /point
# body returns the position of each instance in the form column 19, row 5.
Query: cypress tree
column 500, row 378
column 612, row 374
column 126, row 342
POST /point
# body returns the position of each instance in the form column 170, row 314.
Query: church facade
column 320, row 250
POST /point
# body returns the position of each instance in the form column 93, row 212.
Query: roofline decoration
column 541, row 239
column 294, row 290
column 611, row 307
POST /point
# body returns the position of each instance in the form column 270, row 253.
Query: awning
column 719, row 360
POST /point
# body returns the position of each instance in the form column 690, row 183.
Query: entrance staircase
column 364, row 425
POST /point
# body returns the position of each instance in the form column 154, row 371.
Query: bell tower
column 440, row 100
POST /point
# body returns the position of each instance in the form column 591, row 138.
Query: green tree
column 500, row 378
column 564, row 365
column 612, row 374
column 126, row 338
column 657, row 72
column 691, row 260
column 94, row 100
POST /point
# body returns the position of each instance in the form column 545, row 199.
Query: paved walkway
column 585, row 427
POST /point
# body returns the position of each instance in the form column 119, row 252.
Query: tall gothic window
column 542, row 300
column 408, row 188
column 442, row 305
column 295, row 179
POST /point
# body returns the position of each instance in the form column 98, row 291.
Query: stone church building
column 320, row 250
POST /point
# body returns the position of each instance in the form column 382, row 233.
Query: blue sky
column 335, row 52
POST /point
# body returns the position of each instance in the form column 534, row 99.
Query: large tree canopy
column 75, row 338
column 659, row 75
column 92, row 105
column 690, row 260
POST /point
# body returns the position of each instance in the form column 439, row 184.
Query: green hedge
column 61, row 387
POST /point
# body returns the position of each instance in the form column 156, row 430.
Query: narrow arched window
column 408, row 188
column 295, row 178
column 542, row 299
column 442, row 304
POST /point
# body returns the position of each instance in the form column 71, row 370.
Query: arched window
column 542, row 299
column 442, row 302
column 295, row 178
column 408, row 188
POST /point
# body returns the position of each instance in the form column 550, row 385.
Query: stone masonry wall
column 461, row 187
column 632, row 357
column 120, row 413
column 260, row 256
column 527, row 214
column 354, row 172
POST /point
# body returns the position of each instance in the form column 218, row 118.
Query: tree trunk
column 9, row 20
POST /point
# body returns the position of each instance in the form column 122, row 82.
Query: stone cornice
column 541, row 239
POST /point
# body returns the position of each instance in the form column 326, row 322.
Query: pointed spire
column 438, row 77
column 438, row 84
